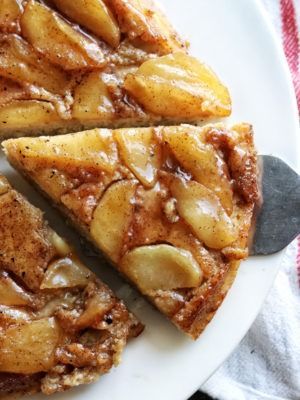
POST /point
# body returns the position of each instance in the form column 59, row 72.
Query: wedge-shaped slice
column 178, row 85
column 95, row 16
column 173, row 217
column 60, row 326
column 57, row 40
column 123, row 65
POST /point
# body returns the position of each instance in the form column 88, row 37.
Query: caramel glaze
column 155, row 219
column 94, row 324
column 134, row 48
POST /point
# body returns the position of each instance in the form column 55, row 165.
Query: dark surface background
column 200, row 396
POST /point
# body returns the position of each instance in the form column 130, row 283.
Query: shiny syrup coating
column 60, row 326
column 170, row 207
column 67, row 67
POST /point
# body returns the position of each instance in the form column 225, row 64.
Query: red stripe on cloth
column 291, row 42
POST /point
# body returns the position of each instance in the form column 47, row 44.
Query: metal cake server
column 278, row 218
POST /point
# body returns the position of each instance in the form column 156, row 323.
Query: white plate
column 234, row 37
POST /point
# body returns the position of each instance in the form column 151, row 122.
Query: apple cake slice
column 170, row 207
column 69, row 66
column 60, row 326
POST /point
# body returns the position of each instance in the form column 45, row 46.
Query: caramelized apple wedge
column 147, row 26
column 11, row 294
column 202, row 210
column 18, row 61
column 95, row 16
column 179, row 86
column 10, row 11
column 201, row 160
column 94, row 150
column 92, row 99
column 137, row 149
column 57, row 40
column 161, row 267
column 66, row 272
column 112, row 217
column 21, row 112
column 29, row 348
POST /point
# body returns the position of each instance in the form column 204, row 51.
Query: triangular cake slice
column 170, row 207
column 69, row 66
column 60, row 326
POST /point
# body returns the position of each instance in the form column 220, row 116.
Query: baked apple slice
column 21, row 112
column 93, row 15
column 161, row 267
column 170, row 220
column 29, row 347
column 60, row 43
column 202, row 210
column 112, row 217
column 11, row 293
column 92, row 100
column 10, row 12
column 139, row 151
column 201, row 160
column 146, row 25
column 20, row 63
column 93, row 150
column 60, row 325
column 179, row 86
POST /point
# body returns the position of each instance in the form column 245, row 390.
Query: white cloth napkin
column 266, row 365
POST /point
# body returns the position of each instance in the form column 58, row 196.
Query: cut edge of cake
column 60, row 325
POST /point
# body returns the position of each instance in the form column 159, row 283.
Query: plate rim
column 193, row 386
column 296, row 112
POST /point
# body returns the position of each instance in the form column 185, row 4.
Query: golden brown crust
column 156, row 217
column 36, row 289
